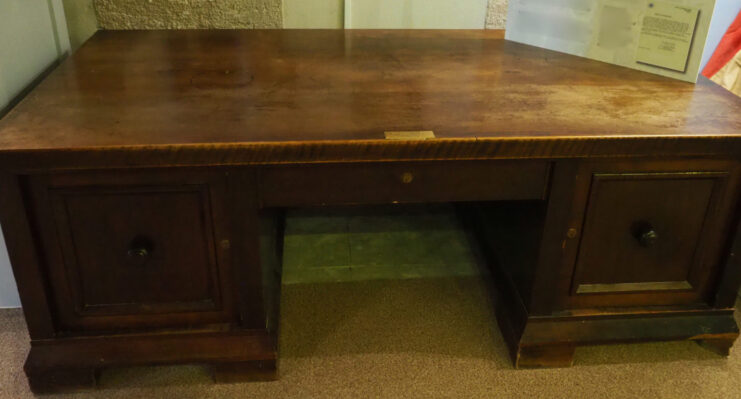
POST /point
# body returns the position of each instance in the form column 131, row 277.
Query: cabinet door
column 652, row 233
column 138, row 249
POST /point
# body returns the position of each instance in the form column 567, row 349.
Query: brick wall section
column 496, row 14
column 210, row 14
column 188, row 14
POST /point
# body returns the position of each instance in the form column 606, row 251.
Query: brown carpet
column 423, row 338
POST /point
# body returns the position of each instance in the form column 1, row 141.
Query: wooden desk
column 142, row 182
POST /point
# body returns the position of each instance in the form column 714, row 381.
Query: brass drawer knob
column 138, row 253
column 407, row 177
column 644, row 233
column 140, row 248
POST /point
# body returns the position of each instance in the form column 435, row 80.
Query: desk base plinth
column 73, row 364
column 549, row 341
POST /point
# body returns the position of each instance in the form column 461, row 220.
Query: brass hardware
column 410, row 135
column 225, row 244
column 138, row 252
column 644, row 233
column 407, row 177
column 140, row 248
column 634, row 287
column 571, row 233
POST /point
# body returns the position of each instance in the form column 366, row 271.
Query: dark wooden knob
column 138, row 252
column 140, row 248
column 645, row 233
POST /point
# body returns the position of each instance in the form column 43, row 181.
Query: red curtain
column 725, row 65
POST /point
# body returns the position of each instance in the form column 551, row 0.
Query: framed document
column 666, row 35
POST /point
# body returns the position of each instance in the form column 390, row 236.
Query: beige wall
column 181, row 14
column 81, row 21
column 184, row 14
column 308, row 14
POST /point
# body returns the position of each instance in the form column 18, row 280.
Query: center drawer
column 402, row 182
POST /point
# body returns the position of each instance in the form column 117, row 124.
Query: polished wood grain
column 402, row 182
column 152, row 97
column 143, row 186
column 731, row 275
column 673, row 208
column 691, row 204
column 92, row 224
column 545, row 356
column 71, row 364
column 548, row 340
column 541, row 254
column 28, row 267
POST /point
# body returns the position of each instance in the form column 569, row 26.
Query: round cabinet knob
column 407, row 177
column 138, row 253
column 140, row 248
column 645, row 233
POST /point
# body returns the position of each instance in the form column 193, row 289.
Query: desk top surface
column 171, row 88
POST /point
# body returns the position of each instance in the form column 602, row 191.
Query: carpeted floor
column 420, row 338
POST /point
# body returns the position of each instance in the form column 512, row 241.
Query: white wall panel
column 33, row 35
column 415, row 14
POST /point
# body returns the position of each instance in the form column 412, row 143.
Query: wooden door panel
column 135, row 250
column 643, row 231
column 650, row 233
column 142, row 249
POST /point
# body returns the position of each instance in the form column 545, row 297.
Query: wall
column 22, row 22
column 496, row 16
column 182, row 14
column 188, row 14
column 8, row 291
column 415, row 14
column 309, row 14
column 81, row 21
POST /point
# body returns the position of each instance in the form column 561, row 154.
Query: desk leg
column 545, row 356
column 55, row 380
column 721, row 346
column 265, row 248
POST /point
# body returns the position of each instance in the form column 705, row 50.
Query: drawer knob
column 138, row 252
column 140, row 248
column 407, row 177
column 645, row 233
